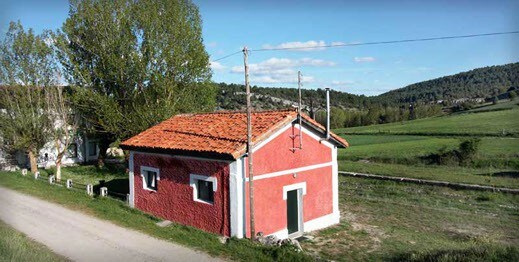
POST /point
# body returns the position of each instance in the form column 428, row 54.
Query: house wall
column 277, row 169
column 174, row 198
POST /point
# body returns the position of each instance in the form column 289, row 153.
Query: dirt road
column 80, row 237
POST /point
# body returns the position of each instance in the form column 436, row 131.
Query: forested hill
column 482, row 82
column 485, row 82
column 232, row 97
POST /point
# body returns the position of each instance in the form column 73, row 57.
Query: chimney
column 327, row 113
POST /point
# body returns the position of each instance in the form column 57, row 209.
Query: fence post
column 51, row 179
column 24, row 172
column 36, row 175
column 128, row 199
column 104, row 191
column 69, row 183
column 90, row 190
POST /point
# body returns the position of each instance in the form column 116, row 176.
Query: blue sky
column 369, row 70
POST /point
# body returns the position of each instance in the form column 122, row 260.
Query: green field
column 491, row 107
column 406, row 149
column 403, row 149
column 15, row 246
column 496, row 123
column 390, row 221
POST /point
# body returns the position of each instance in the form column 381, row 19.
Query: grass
column 384, row 220
column 15, row 246
column 89, row 174
column 456, row 174
column 495, row 123
column 494, row 151
column 119, row 213
column 491, row 107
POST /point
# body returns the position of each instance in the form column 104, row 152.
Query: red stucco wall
column 270, row 207
column 173, row 199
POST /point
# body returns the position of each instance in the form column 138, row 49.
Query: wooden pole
column 299, row 111
column 249, row 145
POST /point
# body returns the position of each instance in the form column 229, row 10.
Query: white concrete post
column 24, row 172
column 104, row 191
column 36, row 175
column 90, row 190
column 51, row 179
column 69, row 183
column 128, row 199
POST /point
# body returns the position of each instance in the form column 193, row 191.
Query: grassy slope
column 15, row 246
column 500, row 106
column 383, row 220
column 118, row 213
column 487, row 123
column 402, row 149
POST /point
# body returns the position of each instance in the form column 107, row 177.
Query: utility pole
column 299, row 111
column 249, row 144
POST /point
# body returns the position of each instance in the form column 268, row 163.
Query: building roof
column 218, row 134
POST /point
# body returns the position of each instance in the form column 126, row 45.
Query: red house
column 192, row 169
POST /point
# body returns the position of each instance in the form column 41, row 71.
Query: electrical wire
column 371, row 43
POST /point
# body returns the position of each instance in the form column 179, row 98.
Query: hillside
column 482, row 82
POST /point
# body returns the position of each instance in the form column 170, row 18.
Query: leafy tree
column 136, row 63
column 27, row 67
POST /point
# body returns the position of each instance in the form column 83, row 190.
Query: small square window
column 72, row 151
column 150, row 179
column 205, row 191
column 203, row 188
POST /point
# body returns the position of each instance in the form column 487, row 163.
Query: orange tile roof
column 214, row 134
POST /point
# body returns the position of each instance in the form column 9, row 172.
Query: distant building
column 82, row 150
column 192, row 169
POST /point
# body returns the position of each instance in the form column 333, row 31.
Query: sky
column 228, row 26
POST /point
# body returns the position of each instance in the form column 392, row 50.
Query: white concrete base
column 315, row 224
column 322, row 222
column 282, row 234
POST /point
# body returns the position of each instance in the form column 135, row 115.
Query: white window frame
column 152, row 169
column 193, row 179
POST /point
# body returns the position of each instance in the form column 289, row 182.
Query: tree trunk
column 103, row 146
column 32, row 161
column 58, row 170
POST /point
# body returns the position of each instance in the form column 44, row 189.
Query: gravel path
column 80, row 237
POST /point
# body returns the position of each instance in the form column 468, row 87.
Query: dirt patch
column 353, row 234
column 374, row 232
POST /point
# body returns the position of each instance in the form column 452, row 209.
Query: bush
column 463, row 156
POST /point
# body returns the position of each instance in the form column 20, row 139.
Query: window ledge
column 202, row 201
column 150, row 189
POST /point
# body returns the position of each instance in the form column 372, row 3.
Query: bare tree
column 65, row 123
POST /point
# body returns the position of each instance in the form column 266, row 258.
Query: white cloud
column 212, row 44
column 364, row 59
column 281, row 70
column 341, row 83
column 311, row 45
column 216, row 66
column 306, row 46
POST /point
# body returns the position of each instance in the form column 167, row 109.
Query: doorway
column 295, row 213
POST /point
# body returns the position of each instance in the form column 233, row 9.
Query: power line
column 371, row 43
column 387, row 42
column 229, row 55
